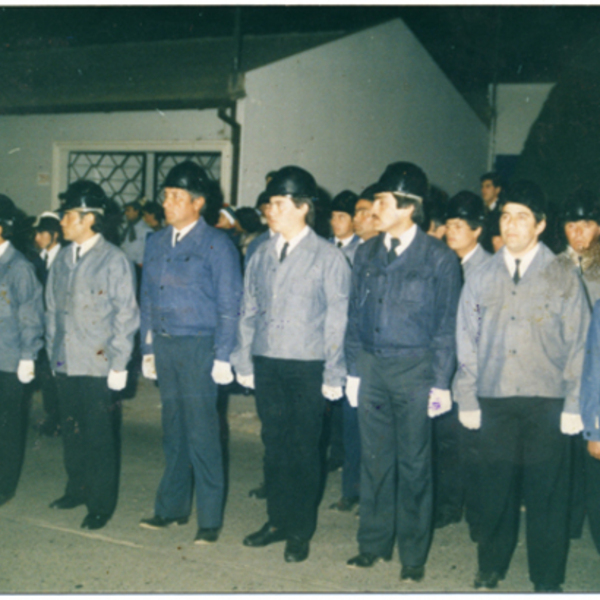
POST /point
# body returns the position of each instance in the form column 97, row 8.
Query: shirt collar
column 51, row 254
column 86, row 246
column 344, row 243
column 4, row 247
column 291, row 243
column 405, row 240
column 466, row 257
column 526, row 260
column 182, row 232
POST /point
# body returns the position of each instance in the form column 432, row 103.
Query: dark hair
column 418, row 214
column 435, row 207
column 135, row 204
column 248, row 219
column 155, row 209
column 494, row 178
column 310, row 215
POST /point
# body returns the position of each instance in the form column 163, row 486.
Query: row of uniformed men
column 307, row 329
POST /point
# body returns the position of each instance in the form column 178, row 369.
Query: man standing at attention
column 191, row 289
column 91, row 318
column 290, row 345
column 400, row 356
column 520, row 334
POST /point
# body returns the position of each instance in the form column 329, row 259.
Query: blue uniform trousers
column 351, row 471
column 191, row 439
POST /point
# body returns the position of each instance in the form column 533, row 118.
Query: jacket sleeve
column 227, row 281
column 145, row 305
column 50, row 313
column 126, row 316
column 443, row 345
column 575, row 321
column 589, row 398
column 241, row 357
column 464, row 387
column 352, row 343
column 30, row 312
column 337, row 290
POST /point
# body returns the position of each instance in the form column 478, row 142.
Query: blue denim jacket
column 407, row 307
column 21, row 311
column 589, row 399
column 193, row 288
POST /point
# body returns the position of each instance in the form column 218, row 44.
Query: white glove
column 570, row 424
column 246, row 381
column 471, row 419
column 352, row 385
column 149, row 367
column 26, row 371
column 117, row 380
column 439, row 403
column 221, row 372
column 332, row 392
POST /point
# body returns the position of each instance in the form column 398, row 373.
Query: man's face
column 285, row 215
column 76, row 226
column 519, row 229
column 131, row 214
column 44, row 239
column 460, row 237
column 341, row 223
column 489, row 192
column 180, row 209
column 386, row 214
column 363, row 220
column 581, row 235
column 150, row 220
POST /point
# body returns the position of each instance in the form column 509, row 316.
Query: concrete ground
column 44, row 550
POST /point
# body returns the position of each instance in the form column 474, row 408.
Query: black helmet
column 188, row 176
column 528, row 194
column 467, row 206
column 368, row 193
column 293, row 181
column 405, row 179
column 84, row 194
column 344, row 202
column 581, row 205
column 49, row 222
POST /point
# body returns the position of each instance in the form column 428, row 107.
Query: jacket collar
column 8, row 254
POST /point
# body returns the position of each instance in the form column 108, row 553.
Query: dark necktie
column 46, row 261
column 77, row 254
column 177, row 237
column 392, row 251
column 516, row 275
column 580, row 258
column 284, row 252
column 339, row 244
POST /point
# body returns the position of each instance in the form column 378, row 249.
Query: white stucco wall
column 347, row 109
column 26, row 143
column 518, row 106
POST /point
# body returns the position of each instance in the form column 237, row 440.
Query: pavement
column 45, row 551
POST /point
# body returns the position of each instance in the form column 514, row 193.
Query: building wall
column 347, row 109
column 26, row 144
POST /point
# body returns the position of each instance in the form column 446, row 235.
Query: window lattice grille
column 165, row 161
column 122, row 175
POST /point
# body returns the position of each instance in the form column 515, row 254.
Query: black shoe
column 489, row 581
column 548, row 588
column 207, row 535
column 296, row 549
column 94, row 521
column 344, row 504
column 264, row 536
column 66, row 502
column 259, row 492
column 157, row 522
column 413, row 573
column 366, row 559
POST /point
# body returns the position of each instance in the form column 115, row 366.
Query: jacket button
column 162, row 287
column 168, row 260
column 376, row 329
column 514, row 293
column 380, row 300
column 512, row 318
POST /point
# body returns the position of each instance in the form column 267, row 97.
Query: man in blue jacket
column 290, row 343
column 190, row 297
column 21, row 330
column 400, row 355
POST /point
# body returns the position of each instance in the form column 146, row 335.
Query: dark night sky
column 471, row 43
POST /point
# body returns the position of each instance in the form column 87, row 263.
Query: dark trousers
column 48, row 387
column 471, row 462
column 351, row 471
column 12, row 432
column 592, row 495
column 396, row 489
column 191, row 437
column 90, row 424
column 577, row 501
column 524, row 456
column 291, row 407
column 447, row 467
